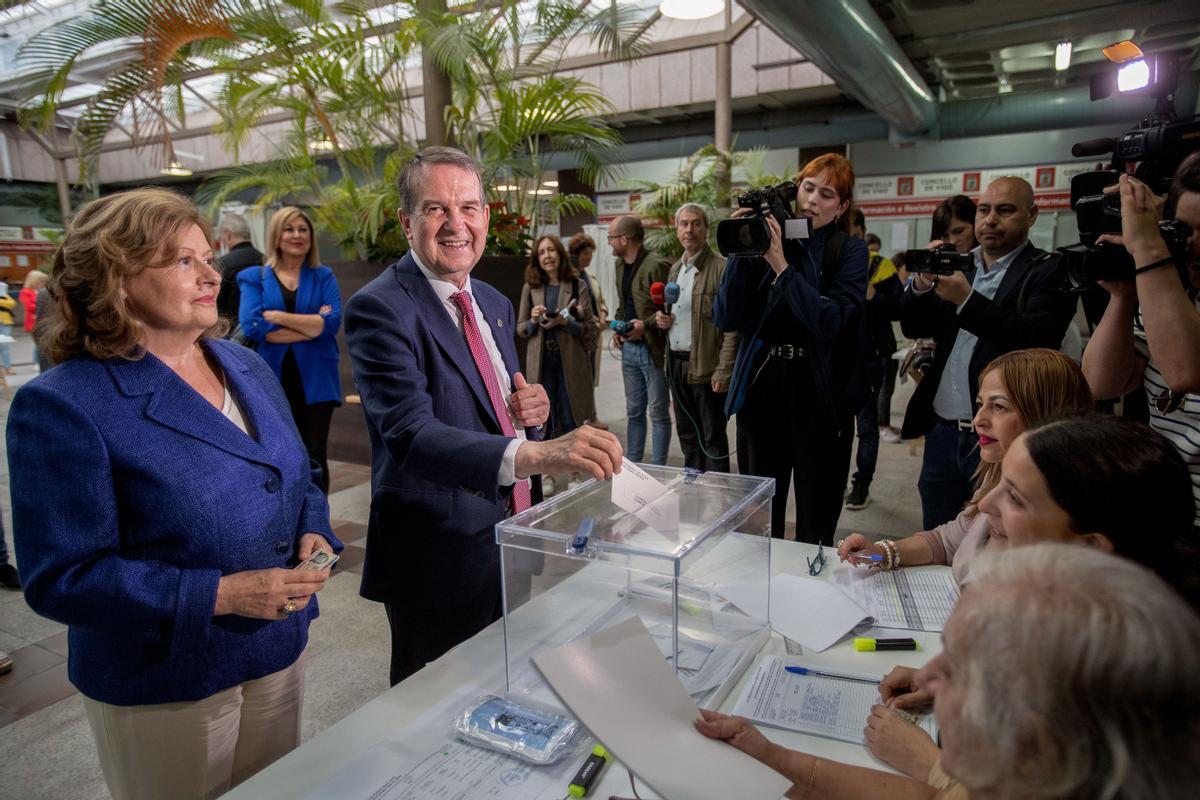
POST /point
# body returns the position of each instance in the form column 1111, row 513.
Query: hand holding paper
column 636, row 491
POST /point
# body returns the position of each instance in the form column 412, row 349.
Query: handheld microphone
column 671, row 295
column 1093, row 147
column 657, row 294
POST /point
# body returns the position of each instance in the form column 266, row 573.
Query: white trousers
column 198, row 749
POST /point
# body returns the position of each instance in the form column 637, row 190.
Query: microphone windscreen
column 672, row 293
column 1093, row 147
column 657, row 290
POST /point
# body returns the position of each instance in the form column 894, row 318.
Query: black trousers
column 312, row 419
column 699, row 418
column 782, row 434
column 421, row 635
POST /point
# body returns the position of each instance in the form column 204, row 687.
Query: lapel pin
column 499, row 323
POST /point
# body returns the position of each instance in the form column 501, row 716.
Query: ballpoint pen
column 819, row 674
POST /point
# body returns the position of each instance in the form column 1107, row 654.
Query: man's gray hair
column 408, row 183
column 1079, row 678
column 235, row 225
column 693, row 208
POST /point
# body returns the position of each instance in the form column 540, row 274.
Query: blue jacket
column 317, row 358
column 436, row 445
column 829, row 324
column 132, row 496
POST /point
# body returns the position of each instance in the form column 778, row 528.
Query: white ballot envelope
column 637, row 492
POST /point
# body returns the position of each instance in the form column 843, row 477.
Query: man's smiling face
column 448, row 228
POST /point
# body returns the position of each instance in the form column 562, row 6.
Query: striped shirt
column 1182, row 426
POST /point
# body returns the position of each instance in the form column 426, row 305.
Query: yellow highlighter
column 589, row 772
column 862, row 644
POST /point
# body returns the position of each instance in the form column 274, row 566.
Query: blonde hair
column 275, row 233
column 35, row 279
column 1043, row 385
column 108, row 241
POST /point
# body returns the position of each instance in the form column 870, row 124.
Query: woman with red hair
column 797, row 381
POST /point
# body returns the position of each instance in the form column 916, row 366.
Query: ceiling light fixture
column 1062, row 56
column 691, row 9
column 320, row 145
column 540, row 192
column 177, row 170
column 550, row 183
column 1005, row 86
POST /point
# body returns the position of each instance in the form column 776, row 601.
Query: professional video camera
column 1151, row 152
column 942, row 260
column 750, row 235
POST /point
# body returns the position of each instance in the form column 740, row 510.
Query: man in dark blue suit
column 454, row 427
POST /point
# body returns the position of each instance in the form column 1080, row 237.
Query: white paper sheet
column 836, row 708
column 617, row 683
column 913, row 598
column 637, row 492
column 810, row 611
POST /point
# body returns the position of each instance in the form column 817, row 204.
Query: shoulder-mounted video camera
column 1151, row 152
column 750, row 235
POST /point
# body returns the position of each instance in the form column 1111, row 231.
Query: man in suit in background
column 1014, row 300
column 234, row 234
column 453, row 425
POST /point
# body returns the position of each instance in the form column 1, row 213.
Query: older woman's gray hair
column 1079, row 672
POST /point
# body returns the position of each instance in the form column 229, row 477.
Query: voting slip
column 913, row 598
column 807, row 610
column 834, row 705
column 617, row 683
column 636, row 491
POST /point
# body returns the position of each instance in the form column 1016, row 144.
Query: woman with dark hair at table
column 556, row 319
column 797, row 382
column 291, row 310
column 161, row 498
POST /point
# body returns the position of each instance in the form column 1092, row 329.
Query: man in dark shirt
column 643, row 348
column 234, row 235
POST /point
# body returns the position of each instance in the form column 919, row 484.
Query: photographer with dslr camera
column 1150, row 332
column 797, row 305
column 1005, row 296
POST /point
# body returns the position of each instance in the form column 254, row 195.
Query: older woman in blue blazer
column 162, row 498
column 291, row 309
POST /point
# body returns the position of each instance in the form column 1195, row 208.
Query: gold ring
column 840, row 542
column 289, row 607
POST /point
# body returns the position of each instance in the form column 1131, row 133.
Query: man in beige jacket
column 699, row 355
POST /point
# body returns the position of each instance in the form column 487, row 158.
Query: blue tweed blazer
column 132, row 496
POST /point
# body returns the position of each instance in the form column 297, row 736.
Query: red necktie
column 520, row 495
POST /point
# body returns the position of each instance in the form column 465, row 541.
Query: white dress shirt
column 679, row 335
column 444, row 289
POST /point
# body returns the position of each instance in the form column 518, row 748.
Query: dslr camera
column 944, row 260
column 750, row 235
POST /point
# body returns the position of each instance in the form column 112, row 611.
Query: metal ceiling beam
column 848, row 41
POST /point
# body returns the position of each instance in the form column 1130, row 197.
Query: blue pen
column 865, row 556
column 818, row 674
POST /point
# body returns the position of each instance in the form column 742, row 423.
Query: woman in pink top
column 1016, row 391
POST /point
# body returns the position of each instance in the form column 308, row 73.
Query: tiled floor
column 46, row 750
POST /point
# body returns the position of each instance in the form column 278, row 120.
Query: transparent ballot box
column 674, row 578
